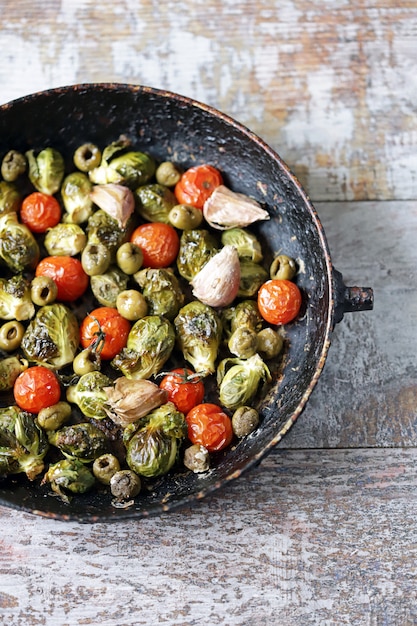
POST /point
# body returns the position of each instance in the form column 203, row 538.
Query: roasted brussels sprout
column 89, row 394
column 245, row 242
column 75, row 193
column 149, row 345
column 15, row 300
column 65, row 240
column 243, row 315
column 106, row 287
column 11, row 334
column 13, row 165
column 43, row 290
column 283, row 267
column 239, row 379
column 9, row 198
column 55, row 416
column 252, row 276
column 243, row 342
column 87, row 157
column 83, row 441
column 154, row 202
column 152, row 443
column 196, row 248
column 10, row 368
column 23, row 445
column 102, row 228
column 69, row 475
column 18, row 247
column 46, row 170
column 198, row 329
column 161, row 290
column 52, row 337
column 126, row 168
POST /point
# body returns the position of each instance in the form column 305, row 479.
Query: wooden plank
column 331, row 86
column 307, row 538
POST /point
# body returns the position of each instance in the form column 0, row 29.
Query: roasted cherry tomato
column 40, row 211
column 279, row 301
column 106, row 329
column 159, row 243
column 197, row 184
column 68, row 274
column 185, row 389
column 209, row 426
column 36, row 388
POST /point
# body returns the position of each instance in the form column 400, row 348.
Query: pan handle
column 350, row 299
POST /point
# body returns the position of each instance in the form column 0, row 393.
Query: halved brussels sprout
column 69, row 475
column 196, row 248
column 9, row 198
column 19, row 249
column 161, row 290
column 75, row 193
column 252, row 276
column 132, row 168
column 65, row 240
column 15, row 300
column 10, row 368
column 239, row 379
column 106, row 287
column 198, row 329
column 245, row 242
column 83, row 441
column 89, row 394
column 46, row 170
column 154, row 202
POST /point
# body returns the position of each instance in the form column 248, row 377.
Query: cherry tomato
column 40, row 211
column 36, row 388
column 209, row 426
column 159, row 243
column 197, row 184
column 105, row 328
column 68, row 274
column 279, row 301
column 184, row 388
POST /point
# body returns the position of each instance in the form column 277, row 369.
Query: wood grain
column 331, row 86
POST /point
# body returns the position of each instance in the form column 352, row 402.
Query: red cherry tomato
column 40, row 211
column 197, row 184
column 159, row 243
column 209, row 426
column 36, row 388
column 184, row 388
column 279, row 301
column 68, row 274
column 107, row 323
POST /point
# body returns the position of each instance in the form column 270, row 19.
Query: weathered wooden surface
column 323, row 532
column 330, row 85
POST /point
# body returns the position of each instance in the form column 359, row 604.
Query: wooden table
column 323, row 532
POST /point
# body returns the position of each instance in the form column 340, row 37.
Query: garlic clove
column 129, row 400
column 227, row 209
column 217, row 283
column 117, row 200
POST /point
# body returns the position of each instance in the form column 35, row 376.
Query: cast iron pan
column 170, row 126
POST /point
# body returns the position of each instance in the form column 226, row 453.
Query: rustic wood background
column 323, row 532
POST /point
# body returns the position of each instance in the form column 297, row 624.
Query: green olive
column 124, row 485
column 13, row 165
column 55, row 416
column 244, row 420
column 269, row 343
column 95, row 259
column 185, row 217
column 167, row 174
column 129, row 258
column 87, row 157
column 131, row 304
column 11, row 334
column 86, row 361
column 43, row 290
column 283, row 267
column 105, row 467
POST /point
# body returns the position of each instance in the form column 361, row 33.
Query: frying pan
column 172, row 127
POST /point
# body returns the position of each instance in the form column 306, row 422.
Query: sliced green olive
column 105, row 467
column 55, row 416
column 11, row 334
column 283, row 267
column 43, row 290
column 95, row 259
column 129, row 258
column 167, row 174
column 185, row 217
column 87, row 157
column 131, row 304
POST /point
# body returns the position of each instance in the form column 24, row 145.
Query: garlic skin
column 131, row 399
column 217, row 283
column 227, row 209
column 117, row 200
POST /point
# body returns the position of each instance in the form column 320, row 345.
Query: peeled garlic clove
column 217, row 283
column 117, row 200
column 228, row 209
column 129, row 400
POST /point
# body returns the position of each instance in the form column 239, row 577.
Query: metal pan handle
column 350, row 299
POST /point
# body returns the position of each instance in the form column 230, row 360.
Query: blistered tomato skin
column 209, row 426
column 159, row 243
column 68, row 274
column 279, row 301
column 197, row 184
column 105, row 322
column 183, row 388
column 40, row 211
column 36, row 388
